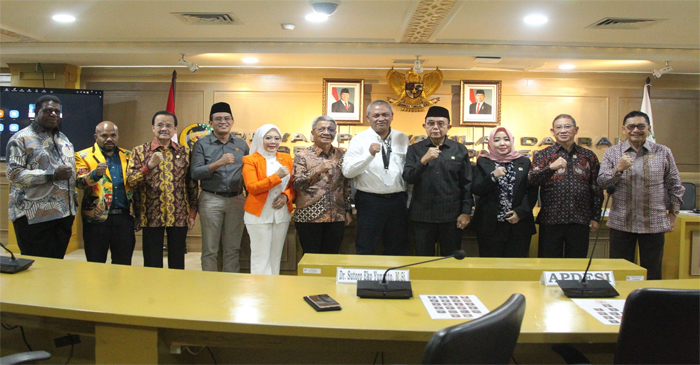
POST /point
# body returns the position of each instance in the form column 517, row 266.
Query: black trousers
column 46, row 239
column 115, row 234
column 507, row 241
column 153, row 246
column 446, row 235
column 563, row 240
column 320, row 237
column 382, row 218
column 651, row 250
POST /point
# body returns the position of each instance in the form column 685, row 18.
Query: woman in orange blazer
column 267, row 177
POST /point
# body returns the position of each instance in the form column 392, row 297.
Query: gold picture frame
column 350, row 111
column 486, row 113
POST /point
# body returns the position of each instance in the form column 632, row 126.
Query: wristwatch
column 676, row 212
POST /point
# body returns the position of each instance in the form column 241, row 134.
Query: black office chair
column 489, row 339
column 659, row 326
column 688, row 197
column 25, row 358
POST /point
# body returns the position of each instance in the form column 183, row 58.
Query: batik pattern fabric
column 639, row 202
column 570, row 194
column 505, row 190
column 33, row 155
column 323, row 197
column 165, row 196
column 97, row 191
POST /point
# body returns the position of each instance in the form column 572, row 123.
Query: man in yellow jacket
column 108, row 223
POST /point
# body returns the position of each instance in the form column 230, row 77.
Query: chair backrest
column 489, row 339
column 660, row 326
column 689, row 196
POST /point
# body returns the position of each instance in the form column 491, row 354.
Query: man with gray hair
column 323, row 194
column 566, row 174
column 375, row 160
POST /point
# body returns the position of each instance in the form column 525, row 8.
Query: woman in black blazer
column 503, row 218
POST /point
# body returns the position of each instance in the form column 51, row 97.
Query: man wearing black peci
column 441, row 203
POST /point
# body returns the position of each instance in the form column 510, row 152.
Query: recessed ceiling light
column 250, row 60
column 316, row 17
column 567, row 66
column 63, row 18
column 288, row 26
column 535, row 19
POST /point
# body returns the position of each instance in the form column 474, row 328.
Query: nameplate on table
column 549, row 278
column 345, row 275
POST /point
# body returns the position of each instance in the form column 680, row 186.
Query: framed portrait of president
column 480, row 103
column 343, row 100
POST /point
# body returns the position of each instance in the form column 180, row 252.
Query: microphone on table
column 11, row 265
column 591, row 288
column 395, row 289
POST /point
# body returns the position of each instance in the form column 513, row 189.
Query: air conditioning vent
column 207, row 18
column 409, row 61
column 623, row 23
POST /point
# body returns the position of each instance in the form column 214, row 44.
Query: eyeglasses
column 324, row 129
column 433, row 124
column 631, row 127
column 161, row 126
column 221, row 119
column 564, row 126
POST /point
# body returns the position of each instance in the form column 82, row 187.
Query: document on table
column 608, row 311
column 454, row 306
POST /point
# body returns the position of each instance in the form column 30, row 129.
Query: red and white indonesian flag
column 170, row 105
column 646, row 108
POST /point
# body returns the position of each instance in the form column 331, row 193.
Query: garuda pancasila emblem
column 413, row 91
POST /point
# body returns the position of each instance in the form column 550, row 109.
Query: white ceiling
column 361, row 34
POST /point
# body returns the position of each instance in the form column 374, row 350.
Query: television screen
column 81, row 112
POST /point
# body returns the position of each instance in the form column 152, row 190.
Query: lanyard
column 386, row 153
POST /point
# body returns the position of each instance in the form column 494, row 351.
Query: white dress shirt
column 367, row 171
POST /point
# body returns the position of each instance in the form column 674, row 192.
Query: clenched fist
column 433, row 153
column 282, row 172
column 560, row 163
column 374, row 148
column 100, row 169
column 156, row 159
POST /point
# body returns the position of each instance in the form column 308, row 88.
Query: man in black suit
column 343, row 105
column 480, row 107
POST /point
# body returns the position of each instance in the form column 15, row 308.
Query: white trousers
column 222, row 226
column 266, row 245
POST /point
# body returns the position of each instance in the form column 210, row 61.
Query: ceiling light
column 63, row 18
column 288, row 26
column 567, row 66
column 665, row 70
column 325, row 7
column 250, row 60
column 316, row 17
column 193, row 67
column 535, row 19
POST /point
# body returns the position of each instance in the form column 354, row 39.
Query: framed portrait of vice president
column 343, row 100
column 480, row 103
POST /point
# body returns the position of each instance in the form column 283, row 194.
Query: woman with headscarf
column 503, row 218
column 267, row 178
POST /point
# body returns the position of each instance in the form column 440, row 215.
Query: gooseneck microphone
column 395, row 289
column 591, row 288
column 11, row 265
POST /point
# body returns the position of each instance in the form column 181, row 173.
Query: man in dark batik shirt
column 570, row 197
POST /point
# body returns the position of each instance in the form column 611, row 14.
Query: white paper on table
column 608, row 311
column 454, row 306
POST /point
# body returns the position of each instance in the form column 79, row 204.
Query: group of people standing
column 155, row 188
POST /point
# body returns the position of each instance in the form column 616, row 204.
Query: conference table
column 130, row 310
column 469, row 268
